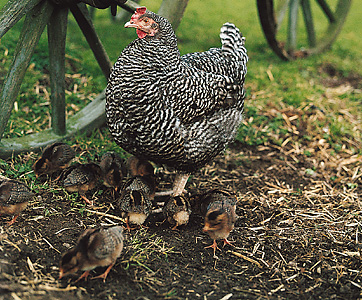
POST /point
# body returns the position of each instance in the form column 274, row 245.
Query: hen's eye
column 146, row 20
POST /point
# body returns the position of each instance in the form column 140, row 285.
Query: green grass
column 276, row 90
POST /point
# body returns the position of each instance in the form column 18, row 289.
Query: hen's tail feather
column 232, row 40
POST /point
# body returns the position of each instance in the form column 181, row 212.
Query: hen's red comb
column 141, row 10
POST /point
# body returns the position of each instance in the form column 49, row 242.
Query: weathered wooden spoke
column 40, row 13
column 13, row 11
column 323, row 20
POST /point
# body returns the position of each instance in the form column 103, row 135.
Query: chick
column 177, row 211
column 218, row 207
column 140, row 167
column 14, row 197
column 114, row 170
column 95, row 248
column 55, row 157
column 81, row 178
column 135, row 201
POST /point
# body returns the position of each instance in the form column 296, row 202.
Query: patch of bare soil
column 297, row 237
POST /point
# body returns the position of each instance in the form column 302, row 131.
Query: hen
column 176, row 110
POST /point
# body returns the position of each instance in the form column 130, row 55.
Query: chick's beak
column 206, row 228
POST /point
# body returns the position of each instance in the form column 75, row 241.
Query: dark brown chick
column 55, row 157
column 14, row 197
column 177, row 211
column 81, row 178
column 139, row 167
column 135, row 201
column 114, row 170
column 218, row 208
column 95, row 248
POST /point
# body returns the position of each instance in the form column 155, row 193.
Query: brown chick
column 135, row 201
column 14, row 197
column 81, row 178
column 177, row 211
column 218, row 207
column 55, row 157
column 114, row 170
column 95, row 248
column 139, row 167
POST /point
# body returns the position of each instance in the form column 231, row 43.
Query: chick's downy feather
column 218, row 208
column 135, row 201
column 14, row 197
column 96, row 247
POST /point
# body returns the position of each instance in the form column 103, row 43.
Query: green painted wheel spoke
column 281, row 12
column 13, row 11
column 327, row 10
column 292, row 25
column 309, row 23
column 33, row 27
column 57, row 32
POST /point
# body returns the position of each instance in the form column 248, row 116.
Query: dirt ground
column 297, row 236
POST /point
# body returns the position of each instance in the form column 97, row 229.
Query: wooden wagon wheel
column 54, row 15
column 323, row 20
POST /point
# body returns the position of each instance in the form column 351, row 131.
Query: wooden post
column 57, row 32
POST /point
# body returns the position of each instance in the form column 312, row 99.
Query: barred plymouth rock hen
column 180, row 111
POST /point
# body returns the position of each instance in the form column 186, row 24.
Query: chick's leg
column 13, row 220
column 84, row 275
column 86, row 199
column 104, row 275
column 214, row 246
column 226, row 242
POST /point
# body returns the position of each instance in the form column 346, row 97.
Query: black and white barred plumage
column 180, row 111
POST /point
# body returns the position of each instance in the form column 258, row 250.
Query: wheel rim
column 288, row 38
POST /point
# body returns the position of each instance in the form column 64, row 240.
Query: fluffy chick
column 14, row 197
column 218, row 207
column 81, row 178
column 140, row 167
column 177, row 211
column 55, row 157
column 95, row 248
column 135, row 201
column 114, row 170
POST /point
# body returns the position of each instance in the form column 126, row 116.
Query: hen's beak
column 130, row 24
column 61, row 274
